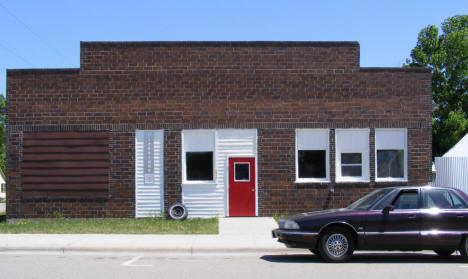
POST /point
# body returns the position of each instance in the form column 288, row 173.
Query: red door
column 241, row 187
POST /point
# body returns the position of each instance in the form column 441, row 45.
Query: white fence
column 452, row 172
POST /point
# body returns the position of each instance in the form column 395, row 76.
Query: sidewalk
column 236, row 235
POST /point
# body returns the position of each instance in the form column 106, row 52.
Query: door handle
column 412, row 216
column 253, row 190
column 460, row 216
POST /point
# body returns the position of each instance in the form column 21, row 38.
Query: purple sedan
column 396, row 218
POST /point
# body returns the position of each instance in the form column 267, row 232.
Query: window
column 352, row 155
column 458, row 202
column 386, row 201
column 406, row 200
column 242, row 172
column 199, row 165
column 351, row 164
column 198, row 156
column 391, row 158
column 368, row 200
column 312, row 163
column 442, row 199
column 312, row 155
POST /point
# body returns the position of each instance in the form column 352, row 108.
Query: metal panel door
column 241, row 187
column 149, row 173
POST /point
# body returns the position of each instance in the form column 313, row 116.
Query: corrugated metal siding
column 452, row 172
column 65, row 164
column 209, row 200
column 149, row 197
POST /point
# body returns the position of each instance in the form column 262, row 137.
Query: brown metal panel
column 65, row 157
column 64, row 179
column 62, row 172
column 66, row 135
column 65, row 187
column 64, row 142
column 65, row 149
column 65, row 164
column 64, row 194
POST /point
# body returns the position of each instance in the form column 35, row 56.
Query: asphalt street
column 102, row 266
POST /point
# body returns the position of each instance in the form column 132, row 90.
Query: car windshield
column 368, row 200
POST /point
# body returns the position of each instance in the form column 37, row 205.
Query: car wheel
column 336, row 245
column 178, row 211
column 444, row 253
column 464, row 248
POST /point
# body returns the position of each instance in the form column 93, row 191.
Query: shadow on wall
column 328, row 200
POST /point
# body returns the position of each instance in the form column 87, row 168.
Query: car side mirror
column 387, row 209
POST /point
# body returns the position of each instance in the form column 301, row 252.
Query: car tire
column 336, row 245
column 464, row 248
column 444, row 253
column 177, row 211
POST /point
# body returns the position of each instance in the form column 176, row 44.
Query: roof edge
column 396, row 69
column 41, row 71
column 220, row 43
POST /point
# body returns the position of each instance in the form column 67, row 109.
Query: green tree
column 2, row 133
column 447, row 55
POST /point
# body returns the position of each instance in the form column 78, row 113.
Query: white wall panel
column 452, row 172
column 210, row 199
column 199, row 140
column 149, row 173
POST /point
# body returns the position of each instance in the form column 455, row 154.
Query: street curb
column 186, row 251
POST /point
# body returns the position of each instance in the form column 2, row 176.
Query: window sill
column 200, row 182
column 391, row 180
column 351, row 180
column 305, row 181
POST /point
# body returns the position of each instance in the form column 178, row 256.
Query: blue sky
column 46, row 34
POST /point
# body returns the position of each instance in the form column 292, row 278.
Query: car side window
column 386, row 201
column 458, row 202
column 436, row 198
column 406, row 200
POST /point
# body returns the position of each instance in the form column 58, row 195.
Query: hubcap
column 177, row 211
column 337, row 245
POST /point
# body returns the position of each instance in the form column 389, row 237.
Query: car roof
column 418, row 187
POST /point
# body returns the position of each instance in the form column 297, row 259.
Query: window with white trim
column 242, row 172
column 391, row 155
column 198, row 156
column 352, row 155
column 312, row 155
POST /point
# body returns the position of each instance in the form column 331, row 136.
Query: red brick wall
column 274, row 87
column 278, row 193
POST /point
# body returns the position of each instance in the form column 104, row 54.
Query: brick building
column 227, row 128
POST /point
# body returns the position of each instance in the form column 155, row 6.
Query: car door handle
column 460, row 216
column 412, row 216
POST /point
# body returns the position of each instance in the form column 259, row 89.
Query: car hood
column 322, row 214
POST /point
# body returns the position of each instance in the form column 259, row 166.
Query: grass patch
column 112, row 226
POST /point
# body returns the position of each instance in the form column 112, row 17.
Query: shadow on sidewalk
column 392, row 257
